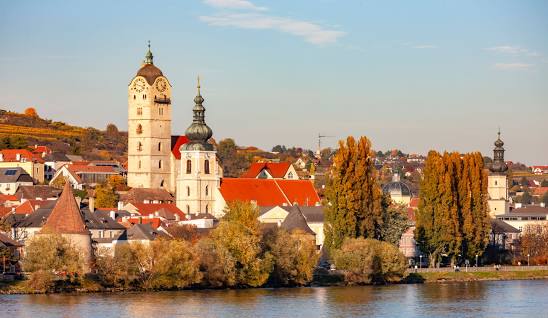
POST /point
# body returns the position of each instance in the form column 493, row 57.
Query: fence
column 479, row 269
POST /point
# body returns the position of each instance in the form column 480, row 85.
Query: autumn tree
column 534, row 242
column 354, row 205
column 117, row 269
column 31, row 112
column 294, row 258
column 105, row 196
column 112, row 131
column 234, row 164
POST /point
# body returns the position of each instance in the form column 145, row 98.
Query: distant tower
column 149, row 127
column 199, row 173
column 498, row 181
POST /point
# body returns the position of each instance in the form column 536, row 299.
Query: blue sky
column 413, row 75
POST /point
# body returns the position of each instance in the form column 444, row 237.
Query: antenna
column 320, row 136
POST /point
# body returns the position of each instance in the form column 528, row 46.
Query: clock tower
column 149, row 127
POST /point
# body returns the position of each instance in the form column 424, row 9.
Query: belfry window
column 160, row 164
column 495, row 182
column 160, row 111
column 139, row 110
column 139, row 146
column 207, row 190
column 189, row 166
column 187, row 209
column 187, row 191
column 139, row 129
column 159, row 146
column 139, row 164
column 207, row 208
column 206, row 166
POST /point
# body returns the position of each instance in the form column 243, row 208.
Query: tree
column 217, row 264
column 105, row 196
column 237, row 237
column 544, row 198
column 112, row 131
column 279, row 149
column 117, row 182
column 31, row 112
column 525, row 198
column 354, row 205
column 234, row 164
column 294, row 258
column 534, row 242
column 116, row 269
column 367, row 260
column 187, row 232
column 13, row 142
column 59, row 182
column 395, row 223
column 544, row 183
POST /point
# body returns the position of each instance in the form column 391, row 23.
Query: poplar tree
column 354, row 206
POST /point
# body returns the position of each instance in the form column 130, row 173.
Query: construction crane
column 320, row 136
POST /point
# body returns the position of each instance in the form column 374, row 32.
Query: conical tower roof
column 65, row 218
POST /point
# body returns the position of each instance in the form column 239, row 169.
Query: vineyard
column 46, row 134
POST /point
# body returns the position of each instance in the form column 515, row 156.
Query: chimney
column 91, row 204
column 177, row 217
column 140, row 220
column 279, row 223
column 112, row 215
column 120, row 205
column 18, row 156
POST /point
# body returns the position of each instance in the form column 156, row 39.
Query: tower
column 149, row 127
column 199, row 173
column 497, row 186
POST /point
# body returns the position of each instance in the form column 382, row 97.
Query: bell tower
column 149, row 127
column 199, row 173
column 497, row 186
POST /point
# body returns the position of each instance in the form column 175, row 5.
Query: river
column 527, row 298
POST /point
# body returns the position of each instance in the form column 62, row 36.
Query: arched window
column 159, row 164
column 139, row 164
column 144, row 96
column 495, row 182
column 187, row 209
column 159, row 146
column 207, row 208
column 187, row 191
column 188, row 166
column 160, row 111
column 139, row 110
column 134, row 97
column 139, row 146
column 207, row 190
column 139, row 129
column 162, row 183
column 206, row 166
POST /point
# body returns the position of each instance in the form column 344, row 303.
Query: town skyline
column 388, row 89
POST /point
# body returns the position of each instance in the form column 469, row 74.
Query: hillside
column 28, row 129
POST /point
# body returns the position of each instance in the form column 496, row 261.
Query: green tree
column 544, row 183
column 234, row 164
column 105, row 196
column 544, row 198
column 354, row 205
column 395, row 223
column 366, row 261
column 294, row 258
column 116, row 269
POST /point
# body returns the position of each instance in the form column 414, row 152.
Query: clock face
column 139, row 85
column 161, row 85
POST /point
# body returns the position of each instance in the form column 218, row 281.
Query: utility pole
column 320, row 136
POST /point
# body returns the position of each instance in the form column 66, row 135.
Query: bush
column 216, row 264
column 116, row 269
column 369, row 261
column 41, row 281
column 52, row 253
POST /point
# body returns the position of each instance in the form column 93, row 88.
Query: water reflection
column 473, row 299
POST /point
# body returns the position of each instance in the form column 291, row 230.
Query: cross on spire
column 199, row 85
column 149, row 57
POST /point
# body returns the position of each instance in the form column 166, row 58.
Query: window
column 207, row 208
column 160, row 111
column 139, row 110
column 159, row 164
column 207, row 190
column 162, row 183
column 144, row 96
column 290, row 175
column 188, row 166
column 159, row 146
column 139, row 129
column 139, row 146
column 206, row 166
column 187, row 209
column 495, row 182
column 139, row 164
column 187, row 191
column 134, row 97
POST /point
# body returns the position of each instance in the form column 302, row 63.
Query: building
column 31, row 162
column 539, row 170
column 271, row 170
column 54, row 161
column 530, row 214
column 12, row 178
column 149, row 127
column 497, row 182
column 399, row 191
column 79, row 175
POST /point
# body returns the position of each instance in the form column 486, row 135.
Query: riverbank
column 442, row 277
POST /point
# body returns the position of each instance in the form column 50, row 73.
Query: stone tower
column 199, row 174
column 149, row 127
column 497, row 187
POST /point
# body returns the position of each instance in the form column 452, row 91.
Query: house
column 31, row 162
column 529, row 214
column 300, row 163
column 11, row 264
column 41, row 151
column 539, row 170
column 79, row 175
column 12, row 178
column 53, row 162
column 164, row 211
column 37, row 192
column 145, row 195
column 271, row 170
column 503, row 236
column 144, row 234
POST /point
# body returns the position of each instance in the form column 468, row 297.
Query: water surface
column 527, row 298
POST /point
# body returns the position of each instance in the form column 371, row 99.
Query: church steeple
column 498, row 166
column 198, row 132
column 149, row 57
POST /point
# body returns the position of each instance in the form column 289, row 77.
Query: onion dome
column 198, row 133
column 148, row 70
column 498, row 166
column 396, row 187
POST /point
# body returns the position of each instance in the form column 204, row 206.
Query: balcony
column 162, row 100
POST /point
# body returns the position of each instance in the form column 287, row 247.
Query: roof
column 66, row 217
column 105, row 213
column 4, row 239
column 11, row 155
column 176, row 143
column 4, row 210
column 150, row 72
column 142, row 232
column 30, row 206
column 165, row 210
column 295, row 220
column 529, row 210
column 275, row 169
column 501, row 227
column 269, row 192
column 540, row 191
column 41, row 149
column 397, row 188
column 57, row 156
column 139, row 195
column 81, row 169
column 7, row 197
column 95, row 221
column 313, row 214
column 37, row 191
column 13, row 175
column 154, row 222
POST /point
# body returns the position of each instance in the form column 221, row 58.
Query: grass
column 473, row 276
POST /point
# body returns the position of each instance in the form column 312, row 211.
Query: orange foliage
column 31, row 112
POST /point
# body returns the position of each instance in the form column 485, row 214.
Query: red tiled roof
column 154, row 222
column 275, row 169
column 25, row 208
column 149, row 208
column 4, row 210
column 11, row 155
column 7, row 197
column 41, row 149
column 176, row 143
column 269, row 192
column 540, row 191
column 66, row 218
column 414, row 203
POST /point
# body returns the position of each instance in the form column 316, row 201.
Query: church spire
column 149, row 57
column 198, row 132
column 498, row 166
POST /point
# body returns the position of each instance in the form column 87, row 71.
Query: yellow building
column 33, row 164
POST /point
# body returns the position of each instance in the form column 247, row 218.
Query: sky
column 412, row 75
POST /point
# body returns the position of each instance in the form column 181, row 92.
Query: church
column 188, row 165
